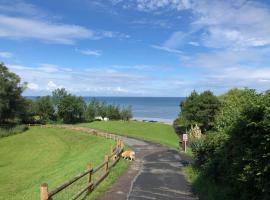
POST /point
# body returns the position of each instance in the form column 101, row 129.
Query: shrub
column 12, row 130
column 204, row 149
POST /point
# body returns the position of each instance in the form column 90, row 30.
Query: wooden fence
column 91, row 176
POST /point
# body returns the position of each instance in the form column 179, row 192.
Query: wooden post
column 107, row 163
column 89, row 167
column 44, row 194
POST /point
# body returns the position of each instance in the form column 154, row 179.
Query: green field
column 48, row 155
column 156, row 132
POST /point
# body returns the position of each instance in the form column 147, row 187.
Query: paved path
column 155, row 174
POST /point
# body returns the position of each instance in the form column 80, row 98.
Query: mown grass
column 12, row 130
column 48, row 155
column 155, row 132
column 205, row 188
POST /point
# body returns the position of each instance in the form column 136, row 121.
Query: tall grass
column 203, row 186
column 6, row 131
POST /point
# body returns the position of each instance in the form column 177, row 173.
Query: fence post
column 89, row 167
column 44, row 194
column 107, row 163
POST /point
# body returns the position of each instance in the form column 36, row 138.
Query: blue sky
column 136, row 47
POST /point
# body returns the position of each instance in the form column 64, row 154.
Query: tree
column 45, row 108
column 113, row 112
column 57, row 96
column 29, row 111
column 11, row 100
column 92, row 109
column 232, row 104
column 200, row 109
column 71, row 109
column 126, row 113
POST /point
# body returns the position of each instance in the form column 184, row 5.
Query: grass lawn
column 156, row 132
column 49, row 155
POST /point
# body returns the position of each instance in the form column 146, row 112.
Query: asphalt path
column 155, row 174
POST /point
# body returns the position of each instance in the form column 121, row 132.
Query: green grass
column 188, row 151
column 205, row 188
column 48, row 155
column 105, row 185
column 156, row 132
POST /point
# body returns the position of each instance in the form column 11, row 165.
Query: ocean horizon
column 161, row 109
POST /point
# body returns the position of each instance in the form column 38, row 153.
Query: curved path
column 155, row 174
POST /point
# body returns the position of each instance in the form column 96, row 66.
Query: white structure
column 99, row 118
column 102, row 119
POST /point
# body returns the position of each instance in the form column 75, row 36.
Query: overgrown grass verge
column 205, row 188
column 12, row 130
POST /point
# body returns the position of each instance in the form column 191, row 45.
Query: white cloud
column 217, row 23
column 33, row 86
column 150, row 5
column 5, row 54
column 25, row 28
column 48, row 68
column 89, row 52
column 117, row 81
column 159, row 23
column 16, row 28
column 19, row 7
column 52, row 86
column 196, row 44
column 164, row 48
column 175, row 40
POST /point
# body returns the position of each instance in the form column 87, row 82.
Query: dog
column 128, row 155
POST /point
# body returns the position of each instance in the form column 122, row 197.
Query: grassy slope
column 46, row 155
column 156, row 132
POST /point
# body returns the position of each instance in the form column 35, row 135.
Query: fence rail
column 95, row 175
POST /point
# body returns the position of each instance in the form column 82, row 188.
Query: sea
column 161, row 109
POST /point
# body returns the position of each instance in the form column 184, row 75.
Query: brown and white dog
column 128, row 155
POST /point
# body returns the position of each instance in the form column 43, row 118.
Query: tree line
column 60, row 107
column 234, row 151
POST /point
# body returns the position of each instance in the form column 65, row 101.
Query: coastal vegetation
column 150, row 131
column 60, row 107
column 49, row 155
column 232, row 156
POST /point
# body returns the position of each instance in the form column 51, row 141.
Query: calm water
column 149, row 108
column 163, row 109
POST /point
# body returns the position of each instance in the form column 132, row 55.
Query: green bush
column 12, row 130
column 204, row 149
column 240, row 157
column 199, row 109
column 244, row 161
